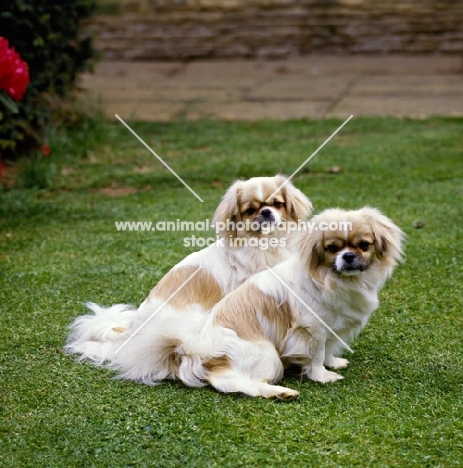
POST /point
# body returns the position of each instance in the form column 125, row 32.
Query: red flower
column 46, row 150
column 20, row 79
column 6, row 67
column 14, row 72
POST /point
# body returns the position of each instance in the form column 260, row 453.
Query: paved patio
column 311, row 86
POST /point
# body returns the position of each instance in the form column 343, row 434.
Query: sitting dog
column 203, row 278
column 302, row 312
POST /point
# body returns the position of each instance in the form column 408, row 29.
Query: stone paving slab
column 428, row 85
column 398, row 106
column 258, row 110
column 139, row 110
column 311, row 86
column 305, row 88
column 379, row 65
column 170, row 94
column 227, row 73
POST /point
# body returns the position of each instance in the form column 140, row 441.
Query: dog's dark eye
column 278, row 204
column 364, row 245
column 333, row 248
column 250, row 211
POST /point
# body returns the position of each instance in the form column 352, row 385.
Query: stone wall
column 188, row 29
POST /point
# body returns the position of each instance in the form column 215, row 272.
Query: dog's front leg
column 315, row 369
column 333, row 348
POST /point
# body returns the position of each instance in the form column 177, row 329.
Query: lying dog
column 203, row 278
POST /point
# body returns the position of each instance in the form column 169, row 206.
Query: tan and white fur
column 224, row 266
column 261, row 328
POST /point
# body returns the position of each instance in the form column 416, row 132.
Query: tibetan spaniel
column 302, row 312
column 249, row 238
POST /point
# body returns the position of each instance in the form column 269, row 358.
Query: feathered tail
column 95, row 337
column 158, row 350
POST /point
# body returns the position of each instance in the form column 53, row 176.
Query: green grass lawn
column 401, row 401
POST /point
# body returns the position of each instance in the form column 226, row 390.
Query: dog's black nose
column 266, row 212
column 348, row 257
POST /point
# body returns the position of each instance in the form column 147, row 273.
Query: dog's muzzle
column 266, row 219
column 349, row 263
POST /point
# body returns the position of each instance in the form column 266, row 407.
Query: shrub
column 49, row 38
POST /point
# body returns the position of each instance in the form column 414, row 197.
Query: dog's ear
column 297, row 204
column 389, row 238
column 228, row 209
column 312, row 253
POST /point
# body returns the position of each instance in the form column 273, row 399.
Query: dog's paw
column 336, row 362
column 287, row 394
column 320, row 374
column 280, row 393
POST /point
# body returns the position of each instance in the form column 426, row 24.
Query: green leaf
column 9, row 103
column 38, row 42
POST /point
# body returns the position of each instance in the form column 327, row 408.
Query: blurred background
column 166, row 60
column 275, row 29
column 277, row 59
